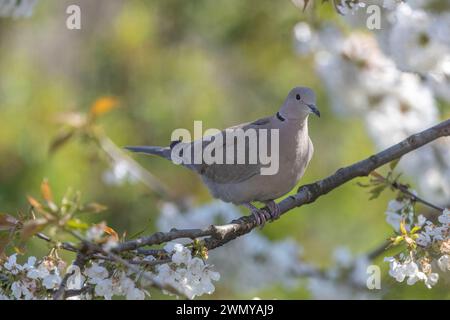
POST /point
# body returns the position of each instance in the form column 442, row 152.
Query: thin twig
column 404, row 189
column 63, row 245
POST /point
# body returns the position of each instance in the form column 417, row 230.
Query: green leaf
column 397, row 240
column 403, row 227
column 394, row 163
column 375, row 192
column 77, row 224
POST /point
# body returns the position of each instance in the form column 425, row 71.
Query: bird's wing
column 233, row 173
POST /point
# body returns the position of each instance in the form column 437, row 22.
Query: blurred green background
column 169, row 63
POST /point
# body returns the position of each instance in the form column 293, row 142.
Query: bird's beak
column 314, row 109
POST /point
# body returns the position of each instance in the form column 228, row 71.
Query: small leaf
column 46, row 191
column 40, row 208
column 375, row 192
column 60, row 140
column 32, row 227
column 34, row 203
column 397, row 240
column 20, row 250
column 103, row 105
column 77, row 224
column 403, row 227
column 394, row 163
column 415, row 229
column 204, row 253
column 111, row 232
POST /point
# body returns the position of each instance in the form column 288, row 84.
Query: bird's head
column 300, row 102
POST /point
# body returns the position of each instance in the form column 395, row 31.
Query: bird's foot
column 261, row 216
column 274, row 209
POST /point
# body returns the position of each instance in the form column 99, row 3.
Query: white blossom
column 110, row 244
column 424, row 239
column 104, row 288
column 3, row 296
column 11, row 264
column 413, row 44
column 135, row 294
column 190, row 275
column 444, row 218
column 254, row 256
column 444, row 262
column 396, row 269
column 38, row 273
column 410, row 270
column 393, row 216
column 95, row 232
column 431, row 280
column 96, row 273
column 364, row 75
column 343, row 257
column 51, row 281
column 119, row 174
column 306, row 39
column 17, row 289
column 181, row 255
column 75, row 281
column 345, row 279
column 398, row 211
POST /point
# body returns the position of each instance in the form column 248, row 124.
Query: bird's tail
column 159, row 151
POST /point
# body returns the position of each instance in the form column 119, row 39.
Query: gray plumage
column 243, row 183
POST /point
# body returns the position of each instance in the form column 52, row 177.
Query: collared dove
column 242, row 184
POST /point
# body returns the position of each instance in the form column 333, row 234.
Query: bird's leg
column 274, row 209
column 261, row 216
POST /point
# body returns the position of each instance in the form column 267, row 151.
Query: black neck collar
column 280, row 117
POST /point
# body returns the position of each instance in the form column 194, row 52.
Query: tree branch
column 217, row 236
column 309, row 193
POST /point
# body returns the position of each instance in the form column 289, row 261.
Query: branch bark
column 215, row 236
column 310, row 192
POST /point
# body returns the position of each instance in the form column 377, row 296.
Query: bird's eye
column 297, row 97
